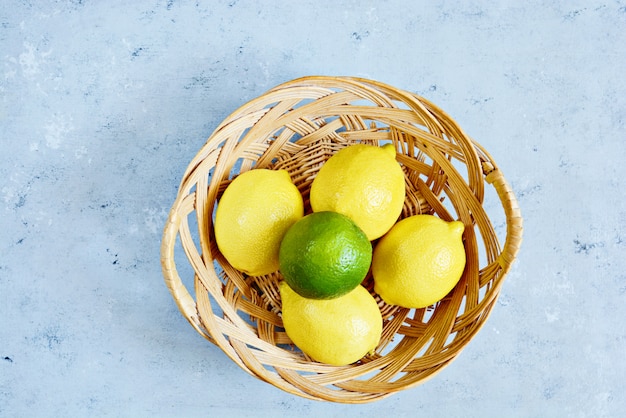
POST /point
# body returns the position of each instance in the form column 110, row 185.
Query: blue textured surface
column 103, row 104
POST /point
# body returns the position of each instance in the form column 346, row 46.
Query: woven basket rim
column 296, row 126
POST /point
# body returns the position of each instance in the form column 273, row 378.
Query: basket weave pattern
column 297, row 126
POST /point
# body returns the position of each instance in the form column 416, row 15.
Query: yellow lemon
column 252, row 216
column 337, row 331
column 324, row 255
column 418, row 261
column 363, row 182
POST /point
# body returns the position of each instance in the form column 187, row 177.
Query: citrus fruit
column 252, row 216
column 363, row 182
column 335, row 331
column 418, row 261
column 324, row 255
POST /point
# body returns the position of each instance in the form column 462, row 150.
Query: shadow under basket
column 297, row 126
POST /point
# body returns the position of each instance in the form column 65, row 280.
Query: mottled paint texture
column 103, row 104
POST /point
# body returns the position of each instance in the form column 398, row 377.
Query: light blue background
column 103, row 104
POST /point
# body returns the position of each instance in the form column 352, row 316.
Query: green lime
column 324, row 255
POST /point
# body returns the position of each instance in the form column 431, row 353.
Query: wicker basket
column 297, row 126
